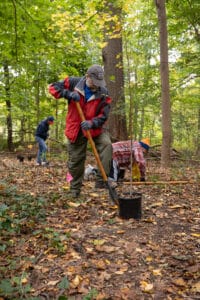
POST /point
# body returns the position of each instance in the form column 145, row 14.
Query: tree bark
column 113, row 66
column 198, row 136
column 164, row 75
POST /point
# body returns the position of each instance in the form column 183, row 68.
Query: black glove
column 86, row 125
column 71, row 95
column 75, row 96
column 66, row 94
column 142, row 179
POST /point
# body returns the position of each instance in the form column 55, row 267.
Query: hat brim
column 145, row 146
column 99, row 83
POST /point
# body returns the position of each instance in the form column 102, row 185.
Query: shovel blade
column 112, row 193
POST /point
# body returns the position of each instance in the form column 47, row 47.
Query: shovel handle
column 96, row 154
column 112, row 191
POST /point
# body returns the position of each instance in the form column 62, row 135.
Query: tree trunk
column 113, row 66
column 56, row 128
column 198, row 136
column 9, row 109
column 22, row 129
column 164, row 74
column 37, row 98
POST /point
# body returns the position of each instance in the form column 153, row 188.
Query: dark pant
column 77, row 156
column 115, row 172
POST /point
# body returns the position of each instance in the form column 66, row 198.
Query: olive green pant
column 77, row 155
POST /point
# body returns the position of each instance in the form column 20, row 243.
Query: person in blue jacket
column 41, row 135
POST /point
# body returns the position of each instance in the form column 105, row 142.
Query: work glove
column 86, row 125
column 71, row 95
column 75, row 97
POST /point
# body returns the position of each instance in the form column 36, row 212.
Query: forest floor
column 53, row 247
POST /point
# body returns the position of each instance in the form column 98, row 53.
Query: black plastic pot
column 130, row 206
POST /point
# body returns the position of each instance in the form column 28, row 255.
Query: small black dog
column 30, row 157
column 20, row 158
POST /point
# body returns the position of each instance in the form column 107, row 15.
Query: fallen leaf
column 138, row 250
column 73, row 204
column 104, row 276
column 101, row 265
column 196, row 287
column 121, row 271
column 71, row 270
column 24, row 280
column 107, row 249
column 84, row 287
column 146, row 287
column 127, row 293
column 149, row 220
column 95, row 195
column 157, row 204
column 100, row 296
column 179, row 282
column 76, row 281
column 175, row 206
column 66, row 187
column 156, row 272
column 99, row 242
column 149, row 258
column 52, row 282
column 107, row 261
column 74, row 254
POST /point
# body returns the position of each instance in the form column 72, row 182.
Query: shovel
column 112, row 191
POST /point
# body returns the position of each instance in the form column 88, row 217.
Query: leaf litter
column 55, row 247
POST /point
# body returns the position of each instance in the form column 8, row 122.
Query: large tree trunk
column 113, row 66
column 164, row 74
column 9, row 108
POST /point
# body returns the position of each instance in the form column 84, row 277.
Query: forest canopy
column 43, row 41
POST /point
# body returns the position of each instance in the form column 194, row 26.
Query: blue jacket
column 42, row 129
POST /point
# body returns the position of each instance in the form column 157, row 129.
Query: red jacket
column 95, row 109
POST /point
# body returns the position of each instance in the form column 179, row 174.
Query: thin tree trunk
column 9, row 109
column 198, row 136
column 135, row 108
column 22, row 129
column 37, row 99
column 56, row 128
column 142, row 123
column 164, row 74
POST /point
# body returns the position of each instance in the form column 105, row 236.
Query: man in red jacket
column 90, row 91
